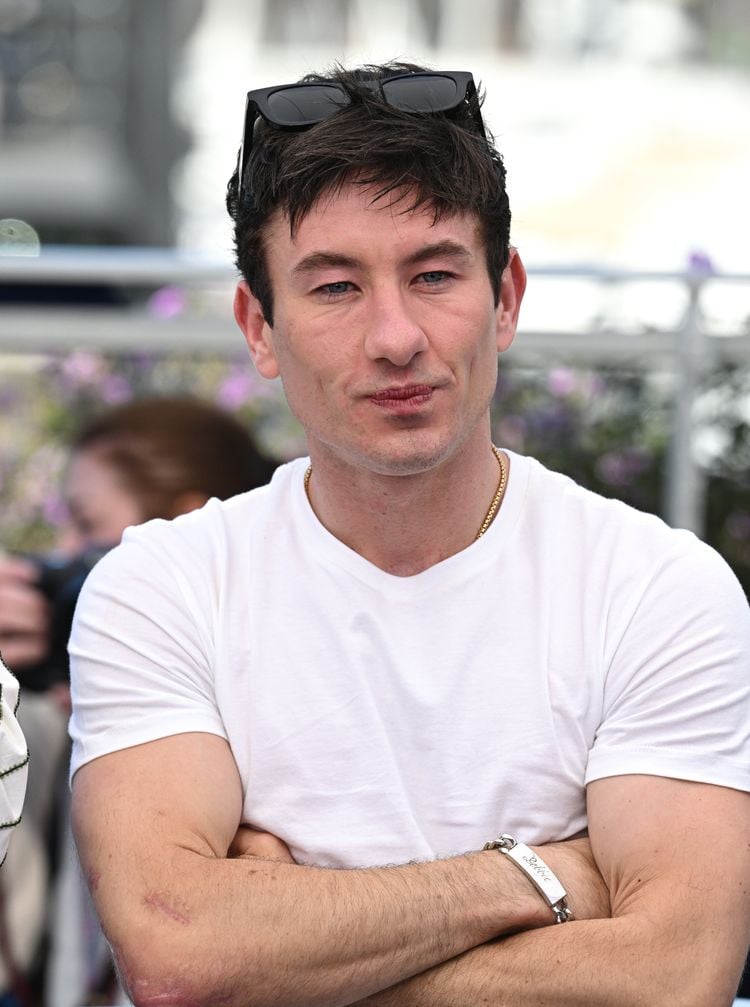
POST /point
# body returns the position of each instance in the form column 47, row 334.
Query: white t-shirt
column 14, row 759
column 378, row 719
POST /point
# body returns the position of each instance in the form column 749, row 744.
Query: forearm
column 622, row 962
column 297, row 935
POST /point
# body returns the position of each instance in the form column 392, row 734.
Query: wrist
column 514, row 903
column 539, row 874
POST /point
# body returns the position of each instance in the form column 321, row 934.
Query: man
column 410, row 643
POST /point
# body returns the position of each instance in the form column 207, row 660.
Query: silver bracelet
column 546, row 883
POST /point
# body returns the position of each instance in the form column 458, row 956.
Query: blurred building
column 120, row 119
column 88, row 139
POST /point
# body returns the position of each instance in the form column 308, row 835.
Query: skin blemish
column 174, row 998
column 160, row 902
column 93, row 878
column 147, row 993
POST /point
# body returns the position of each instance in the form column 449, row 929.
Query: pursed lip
column 402, row 394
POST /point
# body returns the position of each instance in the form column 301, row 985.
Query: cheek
column 478, row 341
column 111, row 522
column 313, row 360
column 130, row 513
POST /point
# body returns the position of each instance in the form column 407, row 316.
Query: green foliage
column 607, row 429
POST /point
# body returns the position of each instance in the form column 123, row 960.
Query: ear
column 512, row 287
column 257, row 332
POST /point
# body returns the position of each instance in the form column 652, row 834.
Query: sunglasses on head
column 299, row 106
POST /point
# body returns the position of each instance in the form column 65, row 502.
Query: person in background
column 14, row 759
column 153, row 458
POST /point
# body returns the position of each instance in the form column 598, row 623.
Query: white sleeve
column 141, row 649
column 677, row 687
column 14, row 759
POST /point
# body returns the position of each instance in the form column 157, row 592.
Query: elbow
column 713, row 989
column 707, row 974
column 695, row 978
column 692, row 969
column 159, row 969
column 151, row 981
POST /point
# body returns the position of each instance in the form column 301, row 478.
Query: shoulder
column 556, row 497
column 632, row 575
column 609, row 536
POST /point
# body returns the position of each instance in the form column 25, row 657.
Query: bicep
column 139, row 812
column 676, row 854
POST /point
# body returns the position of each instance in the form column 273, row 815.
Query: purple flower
column 82, row 367
column 700, row 264
column 561, row 382
column 115, row 389
column 621, row 468
column 237, row 388
column 54, row 510
column 167, row 302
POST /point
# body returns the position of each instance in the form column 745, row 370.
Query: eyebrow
column 441, row 250
column 326, row 260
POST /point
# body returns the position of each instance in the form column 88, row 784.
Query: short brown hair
column 438, row 159
column 162, row 448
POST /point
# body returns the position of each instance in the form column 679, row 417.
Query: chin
column 408, row 456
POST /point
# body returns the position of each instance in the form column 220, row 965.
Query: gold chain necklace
column 489, row 517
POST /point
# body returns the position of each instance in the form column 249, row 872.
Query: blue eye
column 435, row 277
column 337, row 288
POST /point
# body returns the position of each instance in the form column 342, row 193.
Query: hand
column 574, row 864
column 24, row 615
column 249, row 843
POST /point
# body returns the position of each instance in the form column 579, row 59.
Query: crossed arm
column 192, row 922
column 676, row 859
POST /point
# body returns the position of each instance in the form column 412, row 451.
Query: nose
column 393, row 333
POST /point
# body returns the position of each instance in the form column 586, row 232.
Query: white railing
column 195, row 317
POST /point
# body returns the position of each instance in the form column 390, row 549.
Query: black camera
column 60, row 581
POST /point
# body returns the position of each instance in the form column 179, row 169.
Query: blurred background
column 625, row 125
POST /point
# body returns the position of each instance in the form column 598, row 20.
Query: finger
column 18, row 568
column 21, row 652
column 23, row 609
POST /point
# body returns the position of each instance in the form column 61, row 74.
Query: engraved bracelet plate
column 538, row 873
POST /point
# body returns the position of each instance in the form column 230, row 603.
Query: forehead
column 89, row 473
column 353, row 220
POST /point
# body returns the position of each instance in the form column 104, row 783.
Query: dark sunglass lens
column 422, row 93
column 305, row 104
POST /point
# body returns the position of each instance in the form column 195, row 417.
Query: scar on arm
column 161, row 902
column 93, row 878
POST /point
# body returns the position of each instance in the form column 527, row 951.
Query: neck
column 405, row 524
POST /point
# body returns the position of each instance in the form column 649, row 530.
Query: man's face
column 385, row 330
